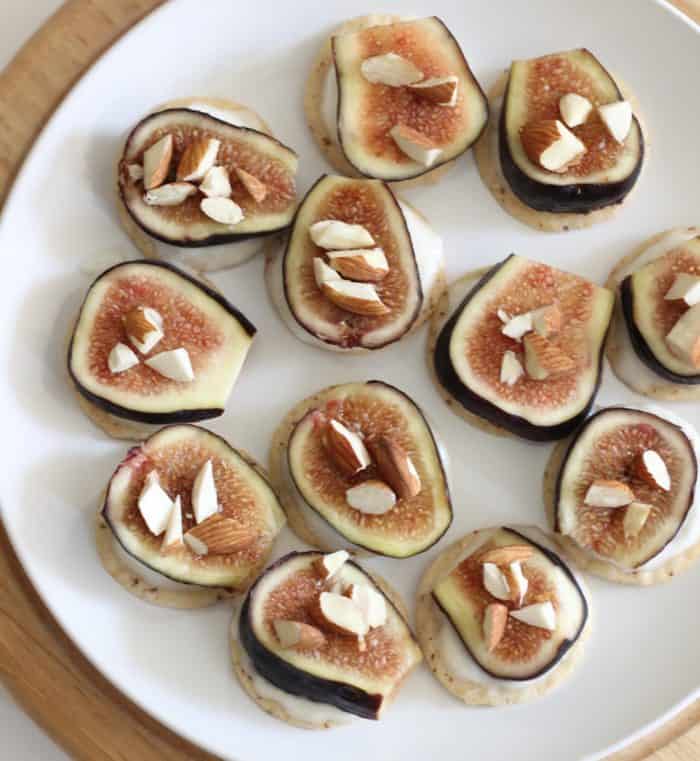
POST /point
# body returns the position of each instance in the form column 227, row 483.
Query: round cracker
column 429, row 623
column 273, row 707
column 314, row 93
column 588, row 562
column 439, row 317
column 660, row 388
column 489, row 164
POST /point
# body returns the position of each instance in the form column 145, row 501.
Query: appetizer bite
column 620, row 495
column 152, row 345
column 318, row 641
column 654, row 344
column 394, row 99
column 518, row 348
column 202, row 182
column 361, row 268
column 500, row 618
column 187, row 520
column 358, row 467
column 564, row 147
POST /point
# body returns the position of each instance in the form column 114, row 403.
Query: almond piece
column 442, row 91
column 636, row 514
column 173, row 531
column 684, row 338
column 415, row 145
column 135, row 172
column 156, row 162
column 546, row 320
column 216, row 183
column 174, row 364
column 503, row 316
column 518, row 582
column 509, row 553
column 494, row 625
column 358, row 298
column 144, row 327
column 617, row 117
column 371, row 497
column 390, row 69
column 574, row 109
column 339, row 614
column 545, row 360
column 333, row 234
column 172, row 194
column 395, row 466
column 255, row 187
column 326, row 566
column 686, row 288
column 197, row 159
column 222, row 210
column 205, row 500
column 323, row 273
column 299, row 635
column 495, row 582
column 121, row 358
column 346, row 448
column 371, row 602
column 154, row 504
column 366, row 265
column 608, row 493
column 541, row 614
column 219, row 535
column 650, row 468
column 549, row 144
column 511, row 369
column 516, row 327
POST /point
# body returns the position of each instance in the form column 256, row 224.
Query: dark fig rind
column 481, row 407
column 639, row 344
column 296, row 681
column 572, row 445
column 215, row 239
column 374, row 549
column 156, row 418
column 566, row 644
column 575, row 198
column 400, row 177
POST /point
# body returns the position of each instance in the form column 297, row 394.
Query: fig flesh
column 607, row 171
column 336, row 672
column 176, row 454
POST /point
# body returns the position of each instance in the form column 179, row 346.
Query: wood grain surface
column 45, row 672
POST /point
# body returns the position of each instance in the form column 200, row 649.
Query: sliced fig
column 368, row 110
column 650, row 315
column 471, row 347
column 185, row 224
column 213, row 334
column 541, row 626
column 383, row 416
column 320, row 318
column 336, row 672
column 608, row 447
column 246, row 504
column 605, row 173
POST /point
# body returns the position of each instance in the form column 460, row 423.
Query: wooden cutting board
column 45, row 672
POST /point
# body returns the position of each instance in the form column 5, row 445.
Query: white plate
column 642, row 660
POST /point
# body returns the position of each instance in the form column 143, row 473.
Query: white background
column 22, row 739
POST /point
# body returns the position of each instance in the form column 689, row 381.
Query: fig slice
column 247, row 502
column 371, row 205
column 215, row 335
column 471, row 346
column 606, row 448
column 518, row 650
column 333, row 672
column 239, row 149
column 650, row 315
column 417, row 519
column 607, row 170
column 367, row 110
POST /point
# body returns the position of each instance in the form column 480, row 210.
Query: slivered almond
column 683, row 339
column 608, row 493
column 156, row 162
column 439, row 90
column 395, row 466
column 636, row 514
column 366, row 265
column 219, row 535
column 551, row 145
column 299, row 635
column 255, row 187
column 171, row 194
column 415, row 144
column 390, row 69
column 140, row 322
column 509, row 553
column 326, row 566
column 545, row 360
column 338, row 614
column 546, row 320
column 372, row 497
column 650, row 468
column 494, row 625
column 358, row 298
column 346, row 448
column 197, row 159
